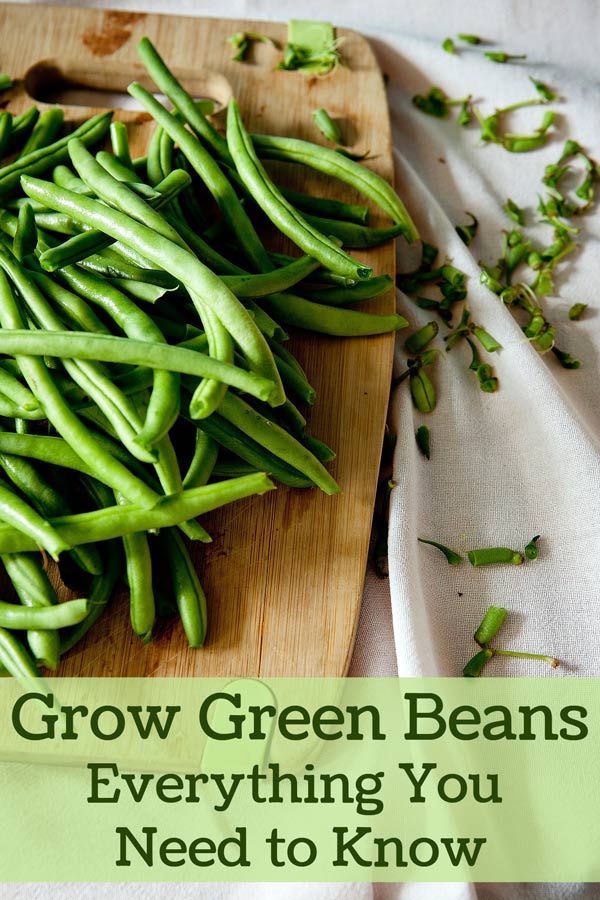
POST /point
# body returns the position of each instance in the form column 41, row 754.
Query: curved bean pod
column 332, row 163
column 277, row 208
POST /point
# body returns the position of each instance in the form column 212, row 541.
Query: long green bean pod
column 138, row 566
column 279, row 210
column 277, row 440
column 189, row 595
column 332, row 320
column 181, row 100
column 332, row 163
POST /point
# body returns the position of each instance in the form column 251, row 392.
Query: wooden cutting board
column 284, row 574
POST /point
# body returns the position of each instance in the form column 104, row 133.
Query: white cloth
column 504, row 466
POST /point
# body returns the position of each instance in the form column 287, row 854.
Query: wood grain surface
column 284, row 574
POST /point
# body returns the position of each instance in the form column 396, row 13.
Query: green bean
column 109, row 348
column 189, row 596
column 18, row 392
column 181, row 100
column 277, row 441
column 329, row 209
column 63, row 176
column 277, row 208
column 100, row 593
column 54, row 450
column 332, row 163
column 303, row 313
column 20, row 514
column 202, row 462
column 43, row 617
column 45, row 131
column 354, row 236
column 25, row 239
column 116, row 521
column 295, row 384
column 120, row 143
column 88, row 375
column 6, row 124
column 268, row 326
column 211, row 175
column 16, row 660
column 21, row 128
column 491, row 624
column 111, row 265
column 34, row 589
column 340, row 296
column 327, row 126
column 138, row 566
column 252, row 452
column 46, row 157
column 190, row 271
column 10, row 410
column 63, row 419
column 278, row 280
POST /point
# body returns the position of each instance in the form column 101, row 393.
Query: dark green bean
column 253, row 453
column 25, row 239
column 277, row 440
column 202, row 462
column 189, row 596
column 45, row 131
column 138, row 566
column 303, row 313
column 6, row 124
column 329, row 209
column 278, row 280
column 100, row 593
column 354, row 236
column 21, row 128
column 277, row 208
column 341, row 296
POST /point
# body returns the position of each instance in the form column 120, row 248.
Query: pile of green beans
column 144, row 379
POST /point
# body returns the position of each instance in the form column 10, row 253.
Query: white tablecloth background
column 506, row 466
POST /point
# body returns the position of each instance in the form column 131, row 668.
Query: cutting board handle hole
column 69, row 84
